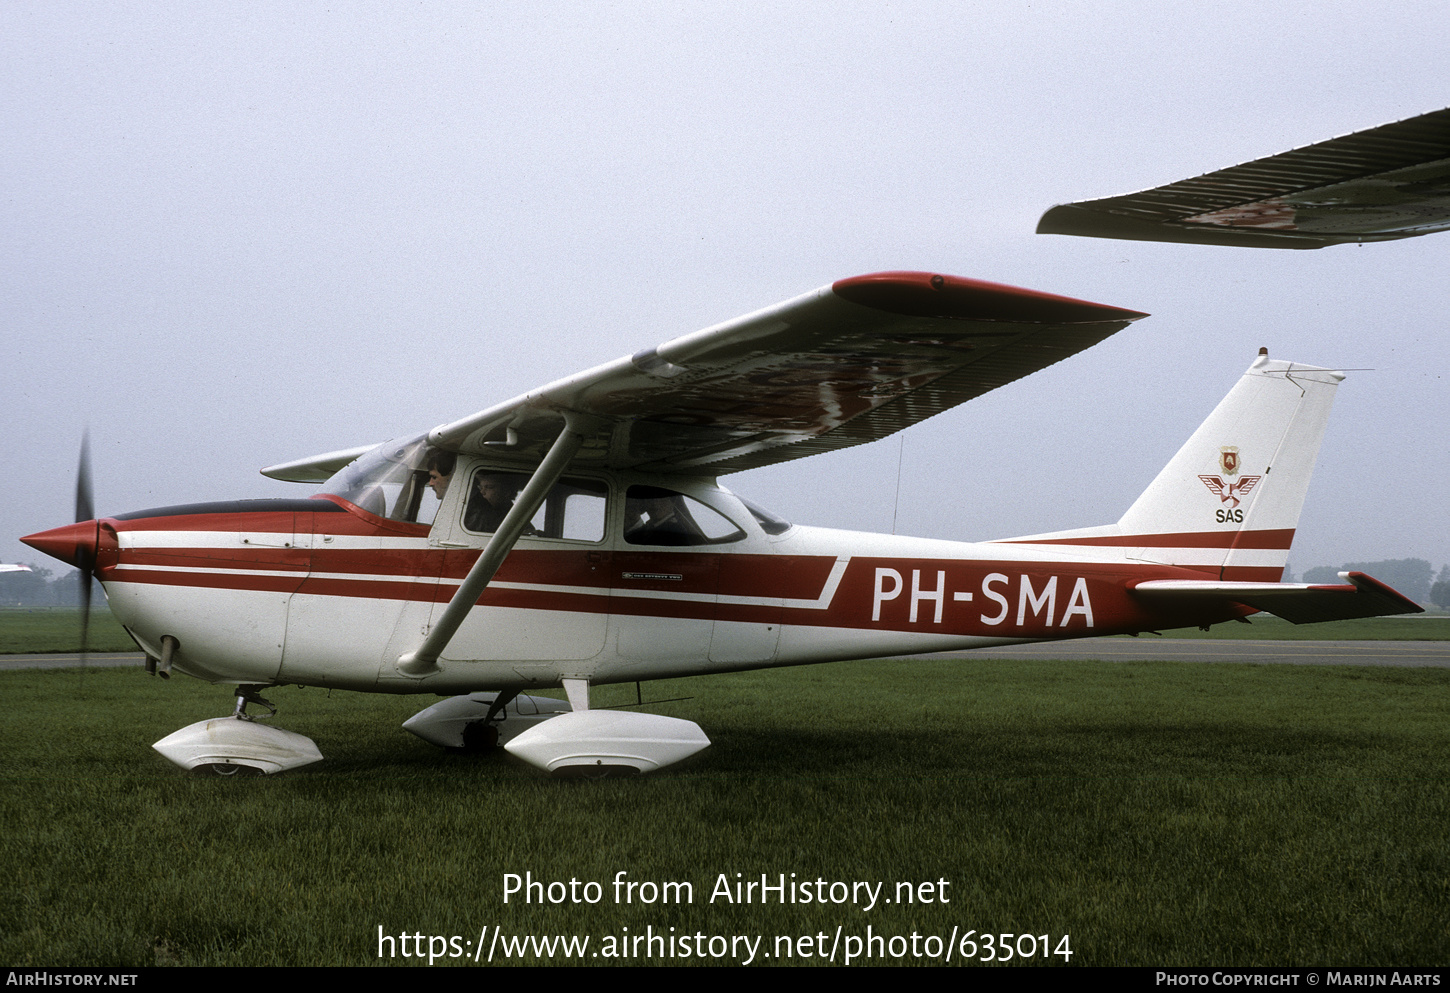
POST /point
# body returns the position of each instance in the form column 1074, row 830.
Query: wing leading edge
column 1385, row 183
column 844, row 365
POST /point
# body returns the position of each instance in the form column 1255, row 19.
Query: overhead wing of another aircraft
column 1389, row 182
column 843, row 365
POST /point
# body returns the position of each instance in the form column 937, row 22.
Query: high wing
column 843, row 365
column 1388, row 182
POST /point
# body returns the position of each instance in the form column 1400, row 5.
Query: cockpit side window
column 657, row 516
column 574, row 508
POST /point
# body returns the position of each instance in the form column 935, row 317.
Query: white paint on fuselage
column 224, row 636
column 354, row 641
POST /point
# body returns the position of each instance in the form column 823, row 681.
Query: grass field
column 1156, row 813
column 1411, row 627
column 57, row 629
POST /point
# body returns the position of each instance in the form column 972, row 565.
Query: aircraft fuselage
column 321, row 592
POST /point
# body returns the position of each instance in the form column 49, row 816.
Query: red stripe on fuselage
column 950, row 596
column 1278, row 539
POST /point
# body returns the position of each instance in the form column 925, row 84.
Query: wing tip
column 926, row 294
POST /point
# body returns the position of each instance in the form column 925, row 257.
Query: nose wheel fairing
column 238, row 745
column 232, row 744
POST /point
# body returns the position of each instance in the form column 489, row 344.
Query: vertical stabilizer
column 1231, row 496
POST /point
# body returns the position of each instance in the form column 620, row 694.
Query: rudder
column 1235, row 489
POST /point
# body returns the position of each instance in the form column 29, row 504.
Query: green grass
column 1412, row 627
column 58, row 629
column 1158, row 813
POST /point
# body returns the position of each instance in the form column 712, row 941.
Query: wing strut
column 424, row 660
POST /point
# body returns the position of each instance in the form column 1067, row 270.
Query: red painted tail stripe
column 1278, row 539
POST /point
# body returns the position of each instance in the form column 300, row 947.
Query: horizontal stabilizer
column 1298, row 603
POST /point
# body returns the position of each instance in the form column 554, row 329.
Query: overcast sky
column 240, row 234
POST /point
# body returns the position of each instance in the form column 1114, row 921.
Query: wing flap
column 1381, row 184
column 1298, row 603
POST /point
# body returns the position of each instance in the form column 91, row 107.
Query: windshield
column 769, row 523
column 392, row 480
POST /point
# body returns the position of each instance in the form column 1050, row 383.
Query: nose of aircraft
column 73, row 544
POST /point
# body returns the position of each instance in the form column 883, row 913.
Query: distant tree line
column 1410, row 576
column 40, row 587
column 1440, row 590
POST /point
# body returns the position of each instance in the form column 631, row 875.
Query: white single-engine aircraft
column 578, row 535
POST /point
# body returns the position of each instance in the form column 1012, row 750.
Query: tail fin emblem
column 1228, row 460
column 1229, row 493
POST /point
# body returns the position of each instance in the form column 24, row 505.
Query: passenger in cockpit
column 656, row 517
column 491, row 500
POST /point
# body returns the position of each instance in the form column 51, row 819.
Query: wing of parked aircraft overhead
column 846, row 364
column 843, row 365
column 1388, row 182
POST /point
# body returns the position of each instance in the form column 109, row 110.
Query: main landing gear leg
column 482, row 736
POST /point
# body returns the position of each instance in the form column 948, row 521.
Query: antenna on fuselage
column 900, row 457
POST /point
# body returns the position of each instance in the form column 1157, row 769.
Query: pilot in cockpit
column 440, row 471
